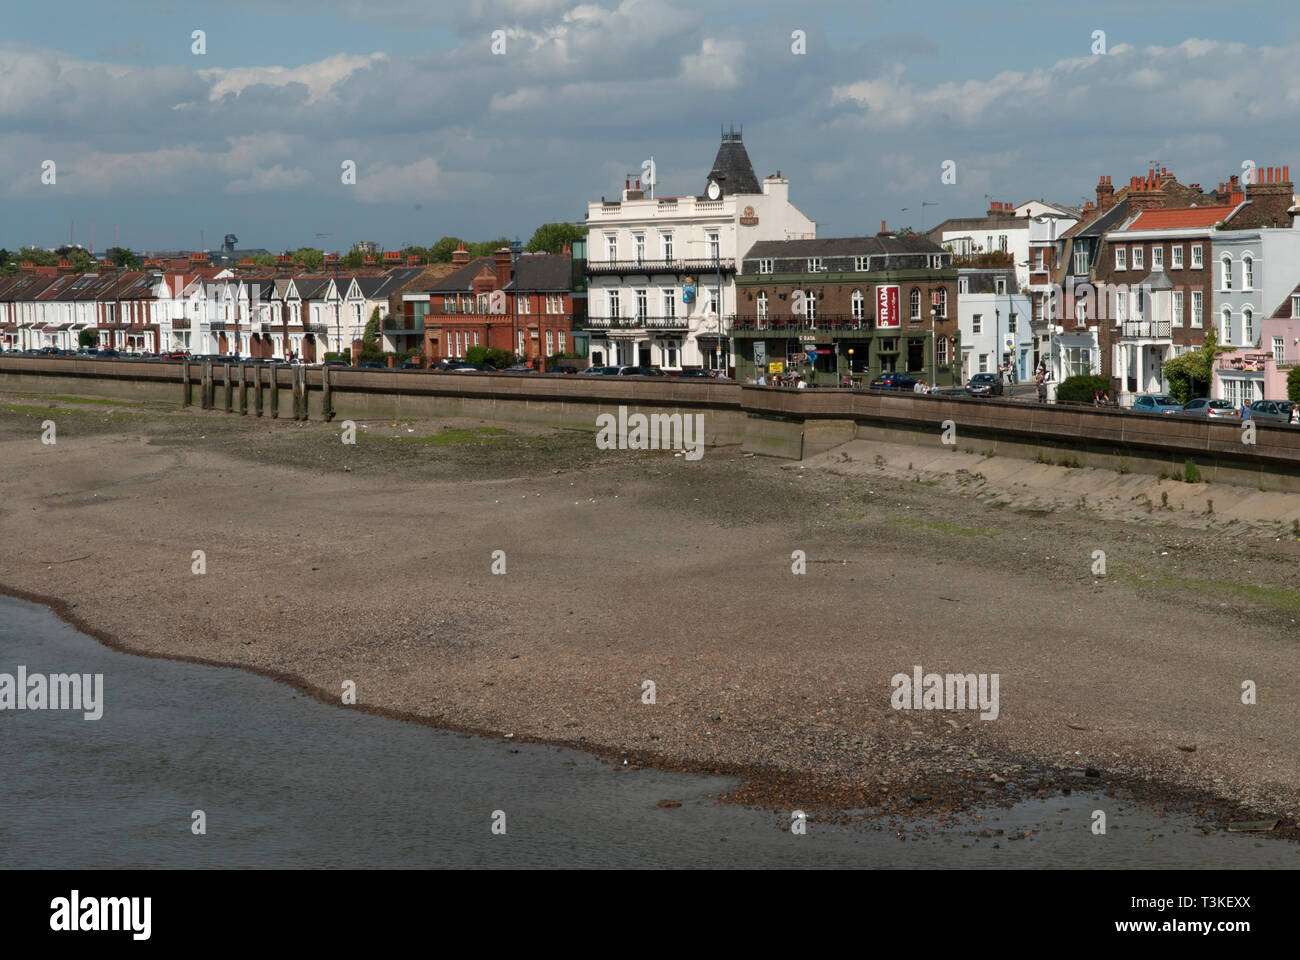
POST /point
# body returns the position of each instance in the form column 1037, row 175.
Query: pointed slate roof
column 731, row 167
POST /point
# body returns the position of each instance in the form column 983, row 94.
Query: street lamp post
column 514, row 276
column 717, row 350
column 850, row 368
column 934, row 357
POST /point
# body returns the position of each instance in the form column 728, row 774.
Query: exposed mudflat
column 373, row 563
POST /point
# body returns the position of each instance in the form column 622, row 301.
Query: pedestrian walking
column 1041, row 382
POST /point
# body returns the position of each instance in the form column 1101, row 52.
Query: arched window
column 943, row 301
column 915, row 300
column 761, row 305
column 1248, row 326
column 1226, row 274
column 1247, row 272
column 858, row 305
column 1225, row 331
column 941, row 350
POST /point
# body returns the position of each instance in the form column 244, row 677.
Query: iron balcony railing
column 624, row 267
column 636, row 323
column 1146, row 329
column 827, row 321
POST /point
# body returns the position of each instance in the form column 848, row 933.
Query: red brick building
column 482, row 303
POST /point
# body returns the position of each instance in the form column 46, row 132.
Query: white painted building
column 661, row 270
column 994, row 318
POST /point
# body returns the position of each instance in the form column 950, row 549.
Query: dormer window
column 1121, row 258
column 814, row 264
column 765, row 265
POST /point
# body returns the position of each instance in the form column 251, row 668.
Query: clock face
column 713, row 190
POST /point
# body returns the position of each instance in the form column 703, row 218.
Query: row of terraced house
column 735, row 279
column 190, row 306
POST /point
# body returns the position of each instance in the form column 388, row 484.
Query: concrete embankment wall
column 793, row 424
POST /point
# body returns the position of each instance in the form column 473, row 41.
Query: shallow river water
column 286, row 781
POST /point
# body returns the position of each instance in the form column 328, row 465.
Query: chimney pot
column 882, row 227
column 1286, row 174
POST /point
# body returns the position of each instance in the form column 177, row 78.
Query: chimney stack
column 502, row 257
column 1271, row 197
column 1105, row 194
column 460, row 256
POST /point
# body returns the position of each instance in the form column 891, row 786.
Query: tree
column 81, row 260
column 441, row 251
column 552, row 237
column 38, row 256
column 1293, row 384
column 309, row 256
column 1185, row 372
column 351, row 260
column 88, row 338
column 421, row 252
column 486, row 248
column 123, row 258
column 263, row 259
column 370, row 339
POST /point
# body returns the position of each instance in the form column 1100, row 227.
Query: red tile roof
column 1183, row 218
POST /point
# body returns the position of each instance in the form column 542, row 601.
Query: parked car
column 958, row 393
column 695, row 372
column 641, row 371
column 371, row 365
column 412, row 365
column 985, row 385
column 521, row 368
column 335, row 363
column 1272, row 411
column 893, row 380
column 601, row 371
column 108, row 354
column 1156, row 403
column 1209, row 409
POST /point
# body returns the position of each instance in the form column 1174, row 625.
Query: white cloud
column 320, row 78
column 395, row 183
column 275, row 178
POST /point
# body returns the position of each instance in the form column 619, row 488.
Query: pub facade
column 839, row 309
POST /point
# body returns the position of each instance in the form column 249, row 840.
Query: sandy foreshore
column 372, row 563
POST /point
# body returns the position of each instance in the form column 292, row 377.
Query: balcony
column 832, row 325
column 1146, row 330
column 636, row 323
column 623, row 268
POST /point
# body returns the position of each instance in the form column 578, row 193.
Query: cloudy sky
column 450, row 138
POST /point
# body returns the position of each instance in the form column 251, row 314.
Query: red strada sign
column 887, row 306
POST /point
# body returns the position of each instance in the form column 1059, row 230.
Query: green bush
column 1191, row 472
column 1293, row 384
column 493, row 355
column 345, row 356
column 87, row 338
column 1081, row 389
